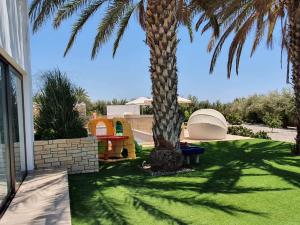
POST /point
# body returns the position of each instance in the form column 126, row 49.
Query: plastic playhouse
column 115, row 138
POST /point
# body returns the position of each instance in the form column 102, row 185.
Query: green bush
column 261, row 135
column 100, row 106
column 240, row 131
column 57, row 117
column 246, row 132
column 138, row 148
column 272, row 121
column 187, row 115
column 234, row 119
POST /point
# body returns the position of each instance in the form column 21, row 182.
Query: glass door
column 5, row 178
column 17, row 125
column 13, row 166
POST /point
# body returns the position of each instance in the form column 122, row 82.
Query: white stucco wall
column 121, row 110
column 14, row 40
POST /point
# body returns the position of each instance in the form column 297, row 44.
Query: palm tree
column 241, row 17
column 81, row 95
column 160, row 20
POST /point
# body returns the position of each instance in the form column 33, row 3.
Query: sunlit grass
column 237, row 183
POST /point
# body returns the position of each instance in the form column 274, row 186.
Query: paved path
column 43, row 199
column 288, row 135
column 145, row 138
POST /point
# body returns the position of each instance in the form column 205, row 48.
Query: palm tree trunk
column 294, row 51
column 161, row 29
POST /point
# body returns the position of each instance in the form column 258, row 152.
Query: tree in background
column 251, row 109
column 83, row 97
column 57, row 117
column 100, row 106
column 272, row 121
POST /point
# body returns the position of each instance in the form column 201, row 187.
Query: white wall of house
column 14, row 44
column 122, row 110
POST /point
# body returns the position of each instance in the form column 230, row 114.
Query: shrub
column 138, row 148
column 272, row 121
column 240, row 131
column 57, row 117
column 261, row 135
column 234, row 119
column 246, row 132
column 186, row 115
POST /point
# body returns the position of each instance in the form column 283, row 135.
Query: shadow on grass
column 221, row 167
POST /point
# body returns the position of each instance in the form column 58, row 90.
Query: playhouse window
column 101, row 129
column 119, row 129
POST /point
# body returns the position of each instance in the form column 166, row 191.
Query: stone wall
column 77, row 155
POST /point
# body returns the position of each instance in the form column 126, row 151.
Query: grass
column 251, row 182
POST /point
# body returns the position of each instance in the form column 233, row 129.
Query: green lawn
column 237, row 183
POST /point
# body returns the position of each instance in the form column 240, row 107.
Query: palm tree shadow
column 204, row 202
column 229, row 158
column 234, row 158
column 139, row 203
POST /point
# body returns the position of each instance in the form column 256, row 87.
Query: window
column 12, row 133
column 17, row 119
column 4, row 154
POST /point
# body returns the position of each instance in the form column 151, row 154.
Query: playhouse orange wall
column 108, row 123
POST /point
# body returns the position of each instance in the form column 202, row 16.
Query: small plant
column 138, row 148
column 262, row 135
column 272, row 121
column 246, row 132
column 234, row 119
column 240, row 131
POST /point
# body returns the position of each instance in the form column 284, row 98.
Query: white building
column 122, row 110
column 16, row 121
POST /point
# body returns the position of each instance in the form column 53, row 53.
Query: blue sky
column 127, row 76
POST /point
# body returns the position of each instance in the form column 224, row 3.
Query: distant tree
column 234, row 119
column 81, row 95
column 117, row 102
column 272, row 121
column 186, row 115
column 57, row 117
column 99, row 107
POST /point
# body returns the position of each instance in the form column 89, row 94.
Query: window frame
column 10, row 155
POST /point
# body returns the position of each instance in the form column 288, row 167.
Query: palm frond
column 141, row 14
column 260, row 28
column 83, row 18
column 188, row 25
column 122, row 27
column 41, row 10
column 240, row 17
column 106, row 27
column 237, row 40
column 68, row 9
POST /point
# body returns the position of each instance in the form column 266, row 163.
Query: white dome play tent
column 207, row 124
